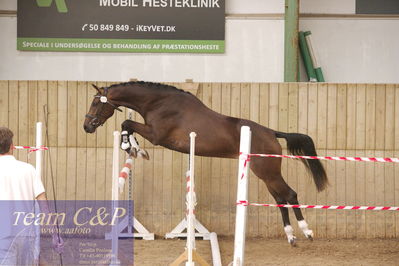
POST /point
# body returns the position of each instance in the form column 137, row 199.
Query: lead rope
column 130, row 195
column 46, row 113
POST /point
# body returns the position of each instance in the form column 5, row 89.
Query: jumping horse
column 171, row 114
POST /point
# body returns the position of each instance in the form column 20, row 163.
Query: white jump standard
column 191, row 223
column 242, row 202
column 129, row 224
column 242, row 195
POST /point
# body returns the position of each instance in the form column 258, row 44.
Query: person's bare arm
column 42, row 200
column 42, row 196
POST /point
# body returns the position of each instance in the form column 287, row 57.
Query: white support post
column 115, row 167
column 242, row 196
column 39, row 164
column 39, row 152
column 217, row 261
column 191, row 204
column 115, row 197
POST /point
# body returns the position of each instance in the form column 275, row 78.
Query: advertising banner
column 152, row 26
column 377, row 7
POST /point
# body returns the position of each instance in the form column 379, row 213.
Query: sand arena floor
column 278, row 252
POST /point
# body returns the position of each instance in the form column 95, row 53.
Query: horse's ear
column 97, row 89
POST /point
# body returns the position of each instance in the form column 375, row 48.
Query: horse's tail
column 300, row 144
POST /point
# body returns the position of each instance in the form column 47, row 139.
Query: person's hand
column 58, row 243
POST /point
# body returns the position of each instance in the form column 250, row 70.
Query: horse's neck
column 138, row 99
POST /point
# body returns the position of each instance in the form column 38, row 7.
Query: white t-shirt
column 18, row 180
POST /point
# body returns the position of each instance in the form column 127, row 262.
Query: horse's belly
column 209, row 147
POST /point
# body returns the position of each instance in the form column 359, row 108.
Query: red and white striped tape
column 333, row 158
column 31, row 149
column 325, row 207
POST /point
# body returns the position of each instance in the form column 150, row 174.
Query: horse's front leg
column 129, row 142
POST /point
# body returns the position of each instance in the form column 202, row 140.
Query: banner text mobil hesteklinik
column 161, row 3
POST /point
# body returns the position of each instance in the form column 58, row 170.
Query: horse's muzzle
column 89, row 128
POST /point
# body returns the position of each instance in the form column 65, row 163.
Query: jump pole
column 242, row 196
column 216, row 259
column 190, row 205
column 115, row 198
column 39, row 152
column 39, row 163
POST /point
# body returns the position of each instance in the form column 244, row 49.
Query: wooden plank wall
column 343, row 119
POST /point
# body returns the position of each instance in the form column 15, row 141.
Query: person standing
column 19, row 187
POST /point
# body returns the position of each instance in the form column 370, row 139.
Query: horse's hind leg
column 270, row 172
column 285, row 192
column 289, row 231
column 302, row 224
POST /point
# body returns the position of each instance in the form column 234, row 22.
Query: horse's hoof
column 133, row 152
column 309, row 234
column 144, row 154
column 292, row 242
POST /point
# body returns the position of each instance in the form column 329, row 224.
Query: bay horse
column 171, row 114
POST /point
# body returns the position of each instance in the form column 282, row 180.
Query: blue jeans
column 18, row 251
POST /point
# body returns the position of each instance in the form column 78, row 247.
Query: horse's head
column 100, row 110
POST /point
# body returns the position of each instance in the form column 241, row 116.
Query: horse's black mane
column 150, row 85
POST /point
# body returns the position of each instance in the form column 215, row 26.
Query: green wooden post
column 291, row 52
